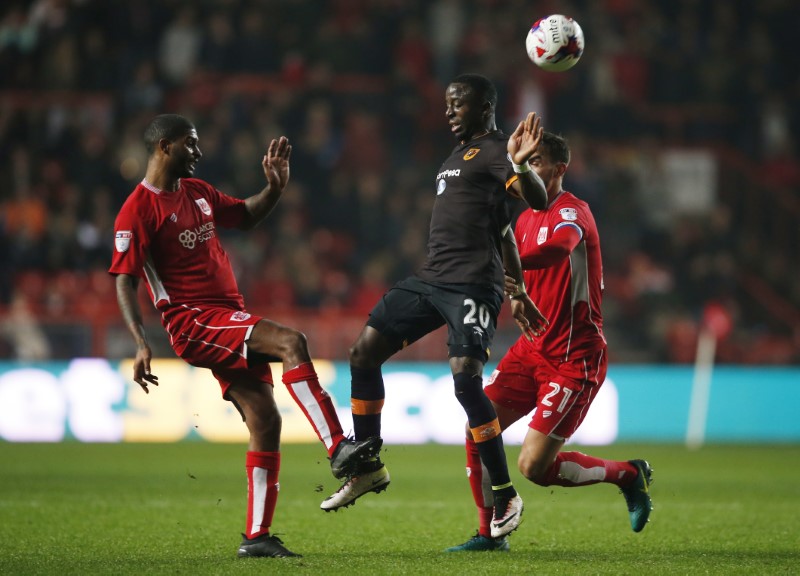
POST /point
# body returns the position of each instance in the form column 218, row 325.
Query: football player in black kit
column 460, row 285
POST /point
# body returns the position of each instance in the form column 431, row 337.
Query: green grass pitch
column 77, row 508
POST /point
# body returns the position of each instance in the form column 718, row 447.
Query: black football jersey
column 470, row 212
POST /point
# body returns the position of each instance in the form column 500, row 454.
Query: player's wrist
column 519, row 293
column 521, row 168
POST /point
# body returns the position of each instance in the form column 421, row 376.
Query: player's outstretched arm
column 276, row 170
column 132, row 314
column 525, row 313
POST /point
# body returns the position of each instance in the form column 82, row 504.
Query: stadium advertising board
column 94, row 400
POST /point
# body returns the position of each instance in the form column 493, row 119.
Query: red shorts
column 216, row 338
column 560, row 392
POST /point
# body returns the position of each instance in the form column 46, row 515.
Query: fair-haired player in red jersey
column 166, row 233
column 557, row 372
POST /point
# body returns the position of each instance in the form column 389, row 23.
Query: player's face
column 548, row 171
column 186, row 154
column 464, row 112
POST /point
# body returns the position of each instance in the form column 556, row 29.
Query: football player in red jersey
column 558, row 371
column 166, row 233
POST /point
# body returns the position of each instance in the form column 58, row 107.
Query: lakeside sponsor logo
column 189, row 238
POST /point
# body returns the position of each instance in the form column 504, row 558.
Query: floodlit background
column 682, row 118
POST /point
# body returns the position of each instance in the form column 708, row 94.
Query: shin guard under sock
column 304, row 388
column 577, row 469
column 485, row 430
column 367, row 395
column 262, row 491
column 481, row 488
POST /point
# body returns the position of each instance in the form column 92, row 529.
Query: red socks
column 481, row 488
column 578, row 469
column 569, row 469
column 316, row 404
column 262, row 491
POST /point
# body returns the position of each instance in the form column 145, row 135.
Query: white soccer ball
column 555, row 43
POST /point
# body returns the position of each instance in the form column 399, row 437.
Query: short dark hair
column 169, row 126
column 481, row 86
column 555, row 147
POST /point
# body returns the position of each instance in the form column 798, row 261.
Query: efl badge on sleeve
column 122, row 240
column 569, row 214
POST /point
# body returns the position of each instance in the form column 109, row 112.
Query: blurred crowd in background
column 682, row 117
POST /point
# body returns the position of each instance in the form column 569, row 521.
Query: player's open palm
column 276, row 162
column 525, row 139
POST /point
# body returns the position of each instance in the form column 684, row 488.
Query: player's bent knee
column 534, row 470
column 291, row 346
column 370, row 350
column 296, row 342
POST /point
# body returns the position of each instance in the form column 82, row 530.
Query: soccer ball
column 555, row 43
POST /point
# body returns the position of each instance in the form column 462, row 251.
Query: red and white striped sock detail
column 579, row 469
column 262, row 491
column 315, row 403
column 481, row 488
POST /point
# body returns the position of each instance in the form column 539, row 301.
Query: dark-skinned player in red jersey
column 460, row 285
column 557, row 372
column 166, row 234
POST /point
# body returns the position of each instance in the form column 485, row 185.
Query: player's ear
column 561, row 169
column 164, row 145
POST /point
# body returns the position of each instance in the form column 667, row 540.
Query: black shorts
column 414, row 308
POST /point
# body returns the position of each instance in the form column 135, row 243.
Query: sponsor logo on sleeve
column 204, row 206
column 122, row 240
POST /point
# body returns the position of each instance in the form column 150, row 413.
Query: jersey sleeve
column 229, row 212
column 553, row 250
column 133, row 231
column 571, row 216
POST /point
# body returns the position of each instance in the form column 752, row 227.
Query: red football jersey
column 569, row 293
column 170, row 239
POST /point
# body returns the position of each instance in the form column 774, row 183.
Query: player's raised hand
column 276, row 162
column 141, row 369
column 525, row 139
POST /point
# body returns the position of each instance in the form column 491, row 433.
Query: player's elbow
column 537, row 201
